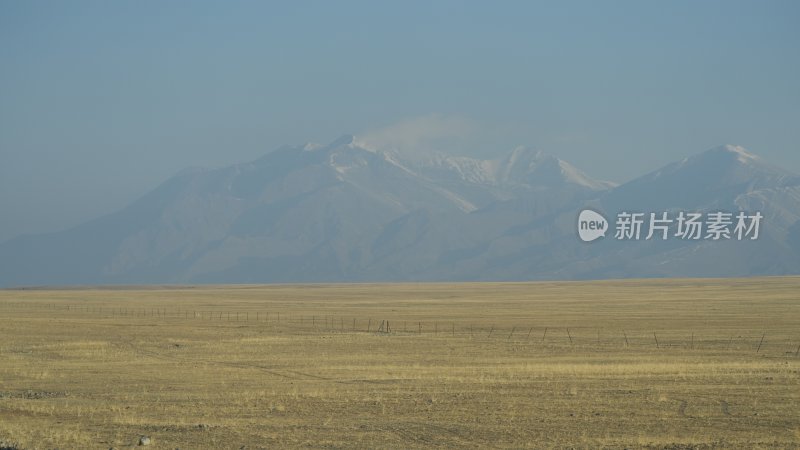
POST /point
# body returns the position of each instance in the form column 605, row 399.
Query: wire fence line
column 755, row 341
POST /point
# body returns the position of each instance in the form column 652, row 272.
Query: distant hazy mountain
column 343, row 212
column 726, row 178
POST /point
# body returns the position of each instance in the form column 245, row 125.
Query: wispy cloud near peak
column 420, row 135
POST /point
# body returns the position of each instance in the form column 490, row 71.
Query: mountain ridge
column 343, row 212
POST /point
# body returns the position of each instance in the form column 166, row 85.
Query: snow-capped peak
column 528, row 166
column 723, row 155
column 523, row 167
column 740, row 153
column 574, row 175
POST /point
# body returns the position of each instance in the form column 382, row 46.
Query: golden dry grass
column 514, row 365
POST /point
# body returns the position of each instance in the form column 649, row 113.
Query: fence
column 757, row 342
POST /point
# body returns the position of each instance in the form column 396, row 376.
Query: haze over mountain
column 347, row 212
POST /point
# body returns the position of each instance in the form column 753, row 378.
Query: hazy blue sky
column 101, row 101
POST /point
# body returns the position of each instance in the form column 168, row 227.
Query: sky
column 100, row 101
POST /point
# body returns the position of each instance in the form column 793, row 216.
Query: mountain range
column 344, row 212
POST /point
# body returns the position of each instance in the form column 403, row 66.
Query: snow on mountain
column 713, row 178
column 522, row 167
column 531, row 167
column 346, row 212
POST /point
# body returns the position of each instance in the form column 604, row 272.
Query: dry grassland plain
column 611, row 364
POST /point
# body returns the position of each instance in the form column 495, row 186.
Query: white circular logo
column 591, row 225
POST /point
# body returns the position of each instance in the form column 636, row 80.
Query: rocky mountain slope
column 344, row 212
